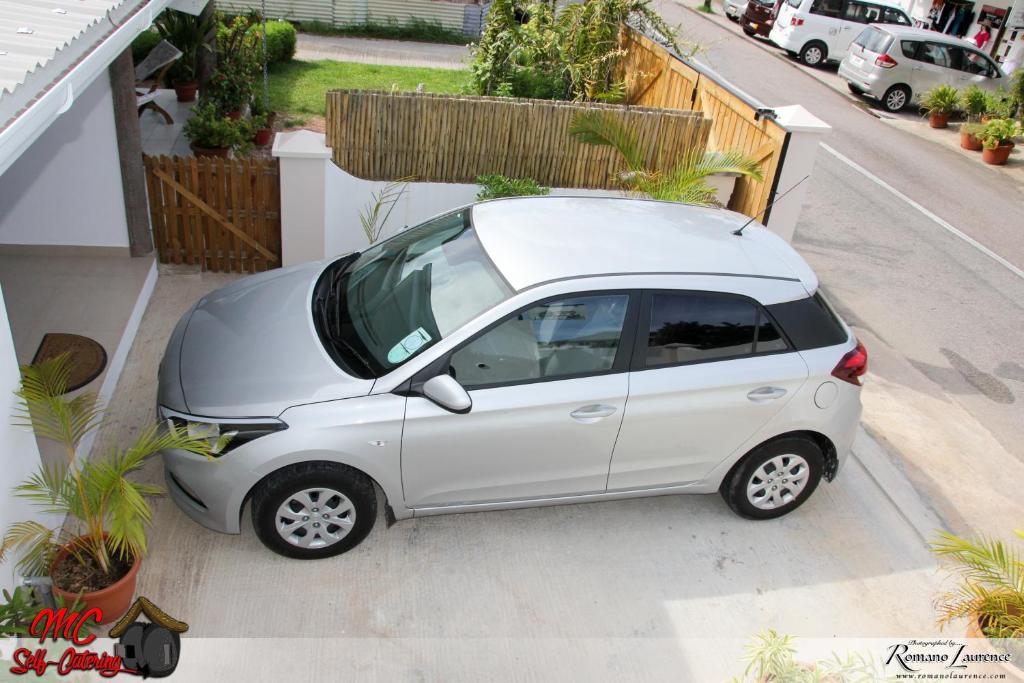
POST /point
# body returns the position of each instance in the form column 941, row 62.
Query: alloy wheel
column 778, row 482
column 895, row 100
column 315, row 518
column 812, row 56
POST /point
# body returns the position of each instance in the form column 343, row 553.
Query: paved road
column 373, row 51
column 945, row 320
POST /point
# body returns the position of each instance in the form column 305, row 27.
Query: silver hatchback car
column 513, row 353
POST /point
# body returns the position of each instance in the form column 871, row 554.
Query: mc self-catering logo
column 143, row 648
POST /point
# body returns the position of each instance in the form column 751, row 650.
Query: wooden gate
column 220, row 214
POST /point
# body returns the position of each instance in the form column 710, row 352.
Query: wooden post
column 129, row 151
column 207, row 56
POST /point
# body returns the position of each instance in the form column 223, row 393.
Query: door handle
column 592, row 413
column 762, row 394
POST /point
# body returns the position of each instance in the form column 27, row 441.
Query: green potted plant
column 989, row 593
column 187, row 33
column 238, row 65
column 213, row 134
column 262, row 122
column 972, row 103
column 938, row 103
column 997, row 140
column 95, row 554
column 772, row 659
column 998, row 105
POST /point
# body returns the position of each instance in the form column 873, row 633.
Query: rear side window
column 894, row 16
column 809, row 323
column 690, row 327
column 873, row 40
column 909, row 48
column 862, row 13
column 827, row 8
column 940, row 54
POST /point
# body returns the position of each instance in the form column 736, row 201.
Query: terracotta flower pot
column 1011, row 671
column 113, row 601
column 235, row 115
column 199, row 151
column 262, row 137
column 938, row 119
column 970, row 141
column 997, row 156
column 186, row 90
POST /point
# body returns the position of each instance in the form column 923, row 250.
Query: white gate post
column 805, row 132
column 304, row 158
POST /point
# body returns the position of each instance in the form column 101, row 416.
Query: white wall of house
column 321, row 204
column 20, row 455
column 65, row 189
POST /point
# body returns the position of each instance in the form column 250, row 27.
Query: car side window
column 689, row 327
column 977, row 63
column 894, row 16
column 565, row 337
column 827, row 8
column 909, row 48
column 940, row 54
column 862, row 13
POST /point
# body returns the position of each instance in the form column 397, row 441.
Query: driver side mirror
column 447, row 393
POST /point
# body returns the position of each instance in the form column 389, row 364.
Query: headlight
column 224, row 435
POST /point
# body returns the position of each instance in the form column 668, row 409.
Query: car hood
column 250, row 350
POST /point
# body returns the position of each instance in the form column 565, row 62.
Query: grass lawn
column 298, row 87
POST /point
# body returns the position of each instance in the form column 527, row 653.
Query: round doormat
column 86, row 358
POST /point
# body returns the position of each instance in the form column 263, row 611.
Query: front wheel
column 314, row 510
column 813, row 54
column 774, row 479
column 749, row 31
column 896, row 98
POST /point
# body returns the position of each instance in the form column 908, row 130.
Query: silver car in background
column 734, row 9
column 896, row 64
column 513, row 353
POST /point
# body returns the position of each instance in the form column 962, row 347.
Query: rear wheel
column 749, row 31
column 774, row 479
column 814, row 54
column 896, row 98
column 314, row 510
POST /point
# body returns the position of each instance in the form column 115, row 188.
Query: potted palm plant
column 212, row 134
column 939, row 103
column 95, row 554
column 685, row 182
column 973, row 103
column 997, row 140
column 989, row 593
column 187, row 33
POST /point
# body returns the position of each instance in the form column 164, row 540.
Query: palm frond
column 48, row 412
column 601, row 128
column 36, row 541
column 729, row 162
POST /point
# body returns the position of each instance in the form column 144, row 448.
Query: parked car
column 817, row 31
column 513, row 353
column 896, row 64
column 734, row 9
column 759, row 17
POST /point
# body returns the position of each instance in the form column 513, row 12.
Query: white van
column 817, row 31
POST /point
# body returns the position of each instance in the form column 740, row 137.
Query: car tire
column 748, row 488
column 896, row 98
column 813, row 54
column 750, row 32
column 286, row 504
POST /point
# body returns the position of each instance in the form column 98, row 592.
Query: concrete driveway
column 635, row 589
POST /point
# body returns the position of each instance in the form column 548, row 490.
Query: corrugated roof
column 40, row 39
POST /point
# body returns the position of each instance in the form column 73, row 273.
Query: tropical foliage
column 106, row 511
column 685, row 182
column 495, row 186
column 374, row 216
column 187, row 33
column 973, row 102
column 942, row 99
column 772, row 659
column 990, row 586
column 572, row 53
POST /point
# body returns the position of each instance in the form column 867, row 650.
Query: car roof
column 922, row 34
column 533, row 240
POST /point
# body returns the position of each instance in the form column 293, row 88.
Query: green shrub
column 281, row 38
column 495, row 185
column 144, row 43
column 998, row 104
column 415, row 29
column 942, row 99
column 972, row 101
column 209, row 128
column 997, row 132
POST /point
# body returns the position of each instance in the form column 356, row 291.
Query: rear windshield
column 873, row 40
column 794, row 3
column 809, row 323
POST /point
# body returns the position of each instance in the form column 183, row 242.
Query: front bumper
column 211, row 492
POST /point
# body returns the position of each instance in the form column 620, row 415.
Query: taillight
column 796, row 21
column 885, row 61
column 853, row 365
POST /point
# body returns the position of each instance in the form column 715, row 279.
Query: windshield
column 402, row 296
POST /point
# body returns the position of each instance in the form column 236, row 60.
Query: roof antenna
column 739, row 231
